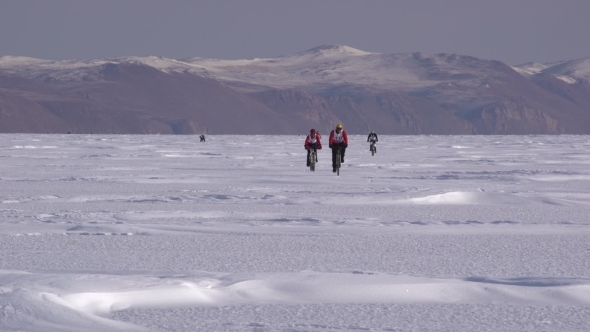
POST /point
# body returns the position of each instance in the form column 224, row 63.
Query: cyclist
column 338, row 139
column 372, row 138
column 312, row 141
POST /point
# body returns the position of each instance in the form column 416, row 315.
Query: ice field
column 164, row 233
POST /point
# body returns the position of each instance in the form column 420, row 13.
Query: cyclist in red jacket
column 312, row 141
column 338, row 139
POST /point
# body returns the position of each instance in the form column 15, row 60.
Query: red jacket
column 308, row 144
column 344, row 138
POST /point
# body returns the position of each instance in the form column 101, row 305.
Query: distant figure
column 373, row 139
column 202, row 137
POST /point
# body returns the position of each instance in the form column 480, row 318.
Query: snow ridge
column 320, row 66
column 567, row 71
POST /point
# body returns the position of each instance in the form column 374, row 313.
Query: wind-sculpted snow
column 80, row 307
column 164, row 233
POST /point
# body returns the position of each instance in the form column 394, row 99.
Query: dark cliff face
column 513, row 117
column 577, row 93
column 385, row 112
column 489, row 98
column 513, row 104
column 186, row 103
column 302, row 109
column 138, row 99
column 530, row 109
column 18, row 115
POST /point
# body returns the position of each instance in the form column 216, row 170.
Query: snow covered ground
column 163, row 233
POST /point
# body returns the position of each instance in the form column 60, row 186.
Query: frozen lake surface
column 163, row 233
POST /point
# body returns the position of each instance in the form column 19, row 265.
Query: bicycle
column 338, row 160
column 373, row 148
column 313, row 158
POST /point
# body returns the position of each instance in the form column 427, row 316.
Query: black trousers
column 335, row 151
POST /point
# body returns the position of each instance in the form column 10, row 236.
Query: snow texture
column 163, row 233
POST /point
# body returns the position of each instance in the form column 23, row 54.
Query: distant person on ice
column 202, row 137
column 312, row 141
column 338, row 139
column 373, row 138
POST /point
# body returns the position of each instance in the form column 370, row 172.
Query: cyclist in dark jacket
column 373, row 138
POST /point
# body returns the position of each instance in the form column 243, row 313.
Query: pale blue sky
column 513, row 31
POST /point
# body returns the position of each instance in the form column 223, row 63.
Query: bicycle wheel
column 312, row 159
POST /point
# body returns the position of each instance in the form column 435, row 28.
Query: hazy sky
column 513, row 31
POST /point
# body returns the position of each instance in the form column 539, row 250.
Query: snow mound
column 70, row 301
column 468, row 198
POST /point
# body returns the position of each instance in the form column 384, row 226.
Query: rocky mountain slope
column 390, row 93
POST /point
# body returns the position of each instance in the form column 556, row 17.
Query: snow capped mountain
column 331, row 65
column 409, row 93
column 19, row 64
column 530, row 68
column 332, row 49
column 574, row 68
column 14, row 61
column 74, row 70
column 313, row 69
column 567, row 71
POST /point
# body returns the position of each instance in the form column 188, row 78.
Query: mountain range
column 412, row 93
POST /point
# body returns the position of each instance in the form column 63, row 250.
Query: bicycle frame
column 312, row 159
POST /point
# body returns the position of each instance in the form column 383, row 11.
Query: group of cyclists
column 338, row 140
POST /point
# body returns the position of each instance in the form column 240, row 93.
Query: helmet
column 339, row 126
column 313, row 131
column 372, row 131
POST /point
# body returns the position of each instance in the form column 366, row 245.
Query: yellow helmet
column 339, row 126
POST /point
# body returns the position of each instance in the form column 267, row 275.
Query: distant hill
column 391, row 93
